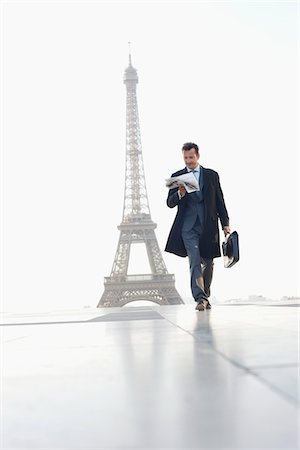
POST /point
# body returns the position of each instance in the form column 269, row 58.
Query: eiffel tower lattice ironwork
column 137, row 226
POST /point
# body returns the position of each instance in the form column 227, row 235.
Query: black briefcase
column 230, row 248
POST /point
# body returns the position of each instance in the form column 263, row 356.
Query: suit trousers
column 201, row 269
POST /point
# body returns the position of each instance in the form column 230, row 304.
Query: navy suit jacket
column 214, row 210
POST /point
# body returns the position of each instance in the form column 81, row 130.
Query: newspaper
column 188, row 180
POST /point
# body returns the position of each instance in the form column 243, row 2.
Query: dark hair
column 189, row 146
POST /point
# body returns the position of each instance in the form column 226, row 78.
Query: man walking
column 195, row 231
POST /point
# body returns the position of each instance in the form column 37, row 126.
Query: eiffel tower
column 137, row 225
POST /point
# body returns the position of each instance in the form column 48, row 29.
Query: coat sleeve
column 173, row 198
column 221, row 207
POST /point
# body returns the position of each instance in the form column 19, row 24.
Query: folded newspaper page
column 188, row 180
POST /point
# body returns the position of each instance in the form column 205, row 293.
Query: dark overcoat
column 214, row 210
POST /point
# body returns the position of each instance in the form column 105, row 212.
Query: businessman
column 195, row 231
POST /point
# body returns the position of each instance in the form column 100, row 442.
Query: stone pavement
column 151, row 378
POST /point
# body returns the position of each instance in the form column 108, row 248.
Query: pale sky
column 221, row 74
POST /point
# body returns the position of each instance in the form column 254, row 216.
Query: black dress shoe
column 200, row 306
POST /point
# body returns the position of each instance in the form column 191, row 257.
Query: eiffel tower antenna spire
column 129, row 47
column 137, row 225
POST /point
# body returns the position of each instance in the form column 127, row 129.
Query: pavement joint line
column 247, row 370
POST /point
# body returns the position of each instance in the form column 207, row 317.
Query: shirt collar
column 197, row 169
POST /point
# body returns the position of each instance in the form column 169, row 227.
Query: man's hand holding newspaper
column 187, row 180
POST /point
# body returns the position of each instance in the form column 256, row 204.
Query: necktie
column 196, row 173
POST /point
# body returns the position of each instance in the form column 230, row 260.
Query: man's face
column 190, row 158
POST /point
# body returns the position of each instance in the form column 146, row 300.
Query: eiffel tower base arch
column 159, row 289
